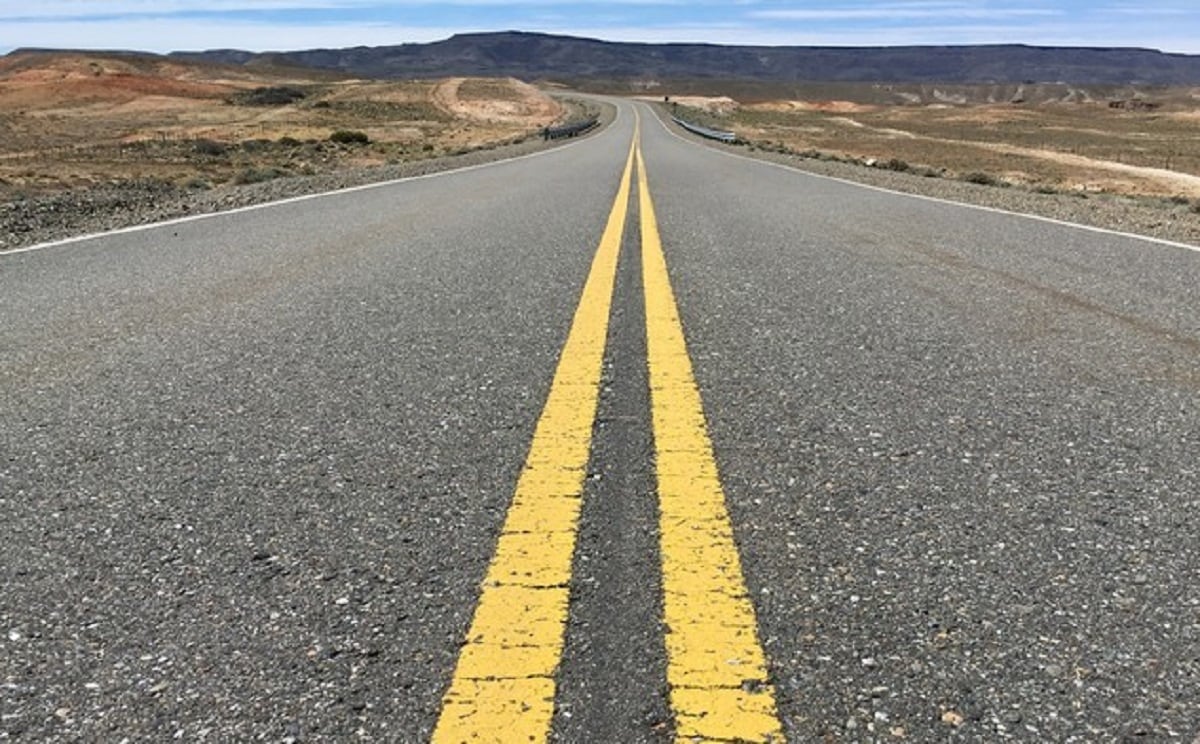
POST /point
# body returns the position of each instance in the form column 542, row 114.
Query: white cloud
column 47, row 9
column 1143, row 12
column 167, row 36
column 75, row 9
column 916, row 11
column 1047, row 34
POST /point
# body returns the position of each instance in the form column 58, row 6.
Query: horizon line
column 5, row 51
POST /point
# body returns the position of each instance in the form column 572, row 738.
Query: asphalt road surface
column 629, row 441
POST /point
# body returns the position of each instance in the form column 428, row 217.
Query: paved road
column 256, row 468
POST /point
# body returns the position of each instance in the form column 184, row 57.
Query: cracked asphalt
column 253, row 466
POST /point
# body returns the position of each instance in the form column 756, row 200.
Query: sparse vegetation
column 256, row 145
column 349, row 137
column 269, row 96
column 981, row 178
column 209, row 148
column 387, row 111
column 259, row 175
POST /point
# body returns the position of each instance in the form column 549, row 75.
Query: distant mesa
column 532, row 56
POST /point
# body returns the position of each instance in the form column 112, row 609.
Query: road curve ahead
column 630, row 441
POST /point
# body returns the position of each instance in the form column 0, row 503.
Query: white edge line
column 293, row 199
column 936, row 200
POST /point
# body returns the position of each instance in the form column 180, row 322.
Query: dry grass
column 74, row 120
column 1082, row 145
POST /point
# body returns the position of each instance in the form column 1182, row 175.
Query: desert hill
column 78, row 119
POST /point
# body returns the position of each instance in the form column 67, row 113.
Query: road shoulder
column 1153, row 218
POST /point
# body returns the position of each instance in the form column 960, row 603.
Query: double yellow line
column 504, row 686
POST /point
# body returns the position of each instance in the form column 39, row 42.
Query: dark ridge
column 533, row 56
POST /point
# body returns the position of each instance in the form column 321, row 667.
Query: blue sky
column 166, row 25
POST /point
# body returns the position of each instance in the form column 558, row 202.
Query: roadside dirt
column 1171, row 219
column 86, row 120
column 839, row 107
column 1126, row 178
column 1118, row 141
column 489, row 101
column 711, row 104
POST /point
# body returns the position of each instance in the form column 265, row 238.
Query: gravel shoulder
column 1157, row 218
column 112, row 207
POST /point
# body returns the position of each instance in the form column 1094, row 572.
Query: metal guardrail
column 715, row 134
column 570, row 129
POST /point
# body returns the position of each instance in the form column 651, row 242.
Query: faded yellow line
column 503, row 687
column 716, row 669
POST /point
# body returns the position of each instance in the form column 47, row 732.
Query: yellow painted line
column 716, row 669
column 503, row 687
